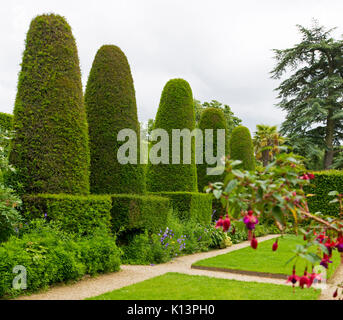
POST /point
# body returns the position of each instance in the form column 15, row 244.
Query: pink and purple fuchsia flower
column 250, row 220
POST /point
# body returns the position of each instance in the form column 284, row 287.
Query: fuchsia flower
column 275, row 245
column 339, row 244
column 315, row 276
column 220, row 222
column 330, row 245
column 304, row 280
column 254, row 242
column 321, row 237
column 325, row 261
column 307, row 176
column 250, row 220
column 335, row 294
column 226, row 223
column 293, row 278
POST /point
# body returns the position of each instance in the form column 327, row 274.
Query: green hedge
column 241, row 148
column 321, row 185
column 111, row 106
column 78, row 214
column 176, row 111
column 51, row 256
column 191, row 205
column 139, row 212
column 211, row 118
column 50, row 145
column 6, row 121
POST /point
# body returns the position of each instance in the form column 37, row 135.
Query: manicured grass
column 265, row 260
column 176, row 286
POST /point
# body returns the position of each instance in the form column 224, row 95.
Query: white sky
column 222, row 48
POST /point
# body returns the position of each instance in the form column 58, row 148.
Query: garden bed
column 177, row 286
column 263, row 261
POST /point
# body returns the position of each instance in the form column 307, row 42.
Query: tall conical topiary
column 50, row 147
column 241, row 148
column 175, row 112
column 111, row 106
column 211, row 118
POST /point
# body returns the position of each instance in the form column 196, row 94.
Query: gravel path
column 130, row 274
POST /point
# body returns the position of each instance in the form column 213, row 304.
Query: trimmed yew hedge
column 134, row 212
column 321, row 185
column 6, row 121
column 50, row 146
column 176, row 111
column 191, row 205
column 111, row 106
column 77, row 214
column 241, row 148
column 211, row 118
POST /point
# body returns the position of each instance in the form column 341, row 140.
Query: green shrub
column 175, row 112
column 211, row 118
column 139, row 212
column 77, row 214
column 241, row 148
column 321, row 185
column 50, row 256
column 111, row 106
column 191, row 205
column 6, row 121
column 50, row 146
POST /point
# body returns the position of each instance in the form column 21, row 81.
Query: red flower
column 293, row 278
column 250, row 220
column 330, row 245
column 275, row 245
column 311, row 176
column 325, row 261
column 321, row 237
column 226, row 224
column 335, row 294
column 220, row 222
column 254, row 242
column 304, row 280
column 315, row 276
column 339, row 244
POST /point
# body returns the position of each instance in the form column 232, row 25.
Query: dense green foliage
column 111, row 106
column 77, row 214
column 178, row 238
column 132, row 212
column 211, row 118
column 311, row 93
column 191, row 205
column 175, row 112
column 6, row 121
column 241, row 148
column 324, row 182
column 50, row 256
column 50, row 147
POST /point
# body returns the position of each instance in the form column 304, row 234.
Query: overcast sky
column 222, row 48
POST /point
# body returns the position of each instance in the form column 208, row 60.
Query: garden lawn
column 263, row 259
column 176, row 286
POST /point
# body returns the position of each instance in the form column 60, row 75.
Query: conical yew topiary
column 211, row 118
column 50, row 147
column 175, row 112
column 241, row 148
column 111, row 106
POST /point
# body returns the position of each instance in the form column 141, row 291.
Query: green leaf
column 231, row 186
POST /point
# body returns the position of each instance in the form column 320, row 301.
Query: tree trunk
column 265, row 157
column 329, row 152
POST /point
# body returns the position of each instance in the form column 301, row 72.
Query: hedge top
column 241, row 147
column 111, row 106
column 50, row 147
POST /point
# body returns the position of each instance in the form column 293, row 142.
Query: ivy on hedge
column 191, row 205
column 50, row 146
column 77, row 214
column 111, row 106
column 6, row 121
column 321, row 185
column 176, row 111
column 131, row 212
column 241, row 148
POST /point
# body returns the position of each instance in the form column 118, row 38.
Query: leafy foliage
column 50, row 146
column 111, row 106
